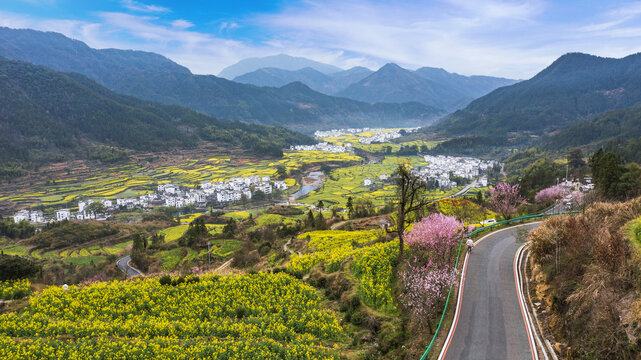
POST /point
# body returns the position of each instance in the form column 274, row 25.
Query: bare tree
column 410, row 198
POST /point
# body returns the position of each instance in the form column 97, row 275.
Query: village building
column 63, row 214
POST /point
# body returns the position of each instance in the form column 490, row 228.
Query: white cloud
column 140, row 7
column 182, row 24
column 228, row 25
column 511, row 38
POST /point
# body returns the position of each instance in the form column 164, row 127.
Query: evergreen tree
column 310, row 219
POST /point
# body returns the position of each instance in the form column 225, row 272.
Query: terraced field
column 348, row 181
column 135, row 180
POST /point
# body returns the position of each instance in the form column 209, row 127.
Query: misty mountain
column 324, row 83
column 280, row 61
column 156, row 78
column 575, row 87
column 392, row 83
column 471, row 86
column 430, row 86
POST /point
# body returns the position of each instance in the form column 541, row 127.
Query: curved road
column 123, row 264
column 490, row 323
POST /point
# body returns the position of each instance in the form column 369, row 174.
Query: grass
column 117, row 248
column 170, row 258
column 224, row 248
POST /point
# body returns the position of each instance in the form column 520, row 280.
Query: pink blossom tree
column 577, row 197
column 435, row 236
column 505, row 198
column 550, row 194
column 424, row 289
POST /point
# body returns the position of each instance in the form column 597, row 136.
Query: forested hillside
column 48, row 116
column 575, row 87
column 617, row 125
column 156, row 78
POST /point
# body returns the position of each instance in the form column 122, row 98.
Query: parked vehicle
column 488, row 222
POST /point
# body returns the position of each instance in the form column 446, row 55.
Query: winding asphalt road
column 123, row 264
column 490, row 323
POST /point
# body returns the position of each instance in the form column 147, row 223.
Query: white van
column 488, row 222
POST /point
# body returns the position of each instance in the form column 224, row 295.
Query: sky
column 508, row 38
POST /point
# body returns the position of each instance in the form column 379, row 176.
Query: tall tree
column 607, row 170
column 410, row 198
column 575, row 158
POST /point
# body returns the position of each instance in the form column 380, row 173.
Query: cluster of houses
column 442, row 168
column 324, row 146
column 377, row 131
column 384, row 136
column 230, row 190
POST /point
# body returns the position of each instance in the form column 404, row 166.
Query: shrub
column 165, row 280
column 358, row 318
column 16, row 267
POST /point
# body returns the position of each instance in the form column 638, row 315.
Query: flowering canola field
column 260, row 316
column 371, row 266
column 14, row 289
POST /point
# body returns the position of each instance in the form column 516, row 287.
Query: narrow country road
column 490, row 323
column 123, row 264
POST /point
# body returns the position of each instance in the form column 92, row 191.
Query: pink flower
column 505, row 199
column 435, row 236
column 550, row 194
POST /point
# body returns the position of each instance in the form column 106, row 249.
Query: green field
column 134, row 180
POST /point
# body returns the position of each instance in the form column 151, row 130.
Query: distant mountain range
column 391, row 84
column 280, row 61
column 47, row 116
column 574, row 88
column 325, row 83
column 154, row 77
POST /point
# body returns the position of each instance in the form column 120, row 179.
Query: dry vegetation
column 591, row 289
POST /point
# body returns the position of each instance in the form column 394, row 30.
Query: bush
column 165, row 280
column 16, row 267
column 264, row 249
column 355, row 301
column 358, row 318
column 240, row 312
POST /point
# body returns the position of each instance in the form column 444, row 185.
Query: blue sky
column 511, row 38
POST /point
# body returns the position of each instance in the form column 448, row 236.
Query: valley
column 310, row 180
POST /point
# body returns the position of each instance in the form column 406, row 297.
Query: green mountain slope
column 153, row 77
column 47, row 115
column 575, row 87
column 614, row 125
column 392, row 83
column 471, row 86
column 430, row 86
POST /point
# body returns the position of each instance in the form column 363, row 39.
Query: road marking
column 459, row 300
column 535, row 354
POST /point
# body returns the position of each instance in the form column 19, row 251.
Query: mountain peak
column 391, row 67
column 279, row 61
